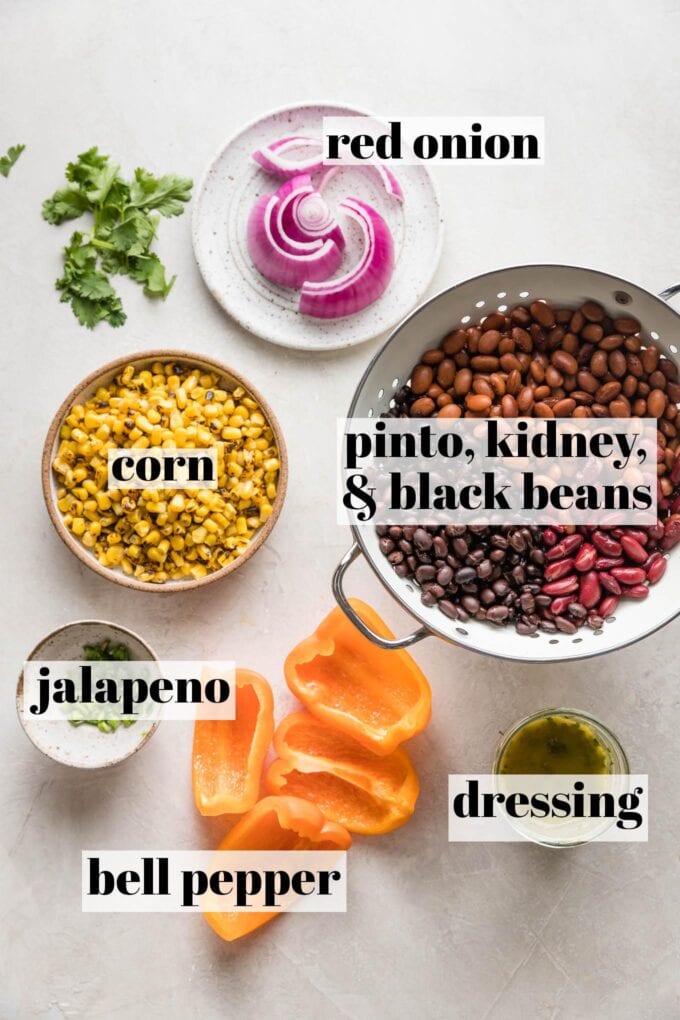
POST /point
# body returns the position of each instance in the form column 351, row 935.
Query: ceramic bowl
column 84, row 747
column 104, row 376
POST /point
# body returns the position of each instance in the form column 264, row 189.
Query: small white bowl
column 84, row 747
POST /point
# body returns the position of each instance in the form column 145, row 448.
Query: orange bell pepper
column 275, row 823
column 378, row 697
column 365, row 792
column 228, row 755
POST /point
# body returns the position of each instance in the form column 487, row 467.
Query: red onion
column 365, row 283
column 303, row 216
column 311, row 252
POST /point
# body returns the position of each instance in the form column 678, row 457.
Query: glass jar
column 602, row 768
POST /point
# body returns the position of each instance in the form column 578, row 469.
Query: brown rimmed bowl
column 102, row 377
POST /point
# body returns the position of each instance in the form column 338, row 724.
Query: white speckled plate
column 84, row 746
column 232, row 184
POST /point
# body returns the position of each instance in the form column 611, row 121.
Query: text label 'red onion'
column 459, row 141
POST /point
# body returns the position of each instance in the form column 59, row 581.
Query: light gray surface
column 433, row 929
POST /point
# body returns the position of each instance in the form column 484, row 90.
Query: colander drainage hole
column 465, row 319
column 479, row 304
column 395, row 383
column 673, row 348
column 554, row 641
column 502, row 294
column 461, row 630
column 577, row 641
column 381, row 393
column 622, row 297
column 654, row 336
column 524, row 293
column 370, row 412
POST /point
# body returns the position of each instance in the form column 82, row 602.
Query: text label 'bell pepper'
column 275, row 823
column 365, row 792
column 229, row 754
column 378, row 697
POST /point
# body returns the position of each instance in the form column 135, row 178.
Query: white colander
column 562, row 286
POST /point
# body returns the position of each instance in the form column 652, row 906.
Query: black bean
column 565, row 625
column 465, row 574
column 422, row 539
column 425, row 573
column 448, row 609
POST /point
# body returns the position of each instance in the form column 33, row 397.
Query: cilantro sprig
column 8, row 161
column 125, row 218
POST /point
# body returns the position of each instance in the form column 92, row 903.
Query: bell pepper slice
column 275, row 823
column 228, row 754
column 378, row 697
column 365, row 792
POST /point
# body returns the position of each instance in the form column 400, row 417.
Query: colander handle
column 670, row 292
column 389, row 644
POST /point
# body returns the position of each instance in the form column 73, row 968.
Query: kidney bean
column 605, row 544
column 609, row 583
column 640, row 536
column 607, row 606
column 633, row 550
column 671, row 533
column 636, row 591
column 585, row 557
column 565, row 547
column 656, row 570
column 628, row 575
column 561, row 604
column 589, row 589
column 563, row 586
column 558, row 568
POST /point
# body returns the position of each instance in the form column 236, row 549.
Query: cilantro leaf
column 125, row 218
column 166, row 195
column 66, row 204
column 8, row 161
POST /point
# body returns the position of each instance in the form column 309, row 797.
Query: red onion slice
column 271, row 254
column 365, row 283
column 272, row 157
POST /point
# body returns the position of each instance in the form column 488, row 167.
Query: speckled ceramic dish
column 102, row 377
column 84, row 747
column 230, row 188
